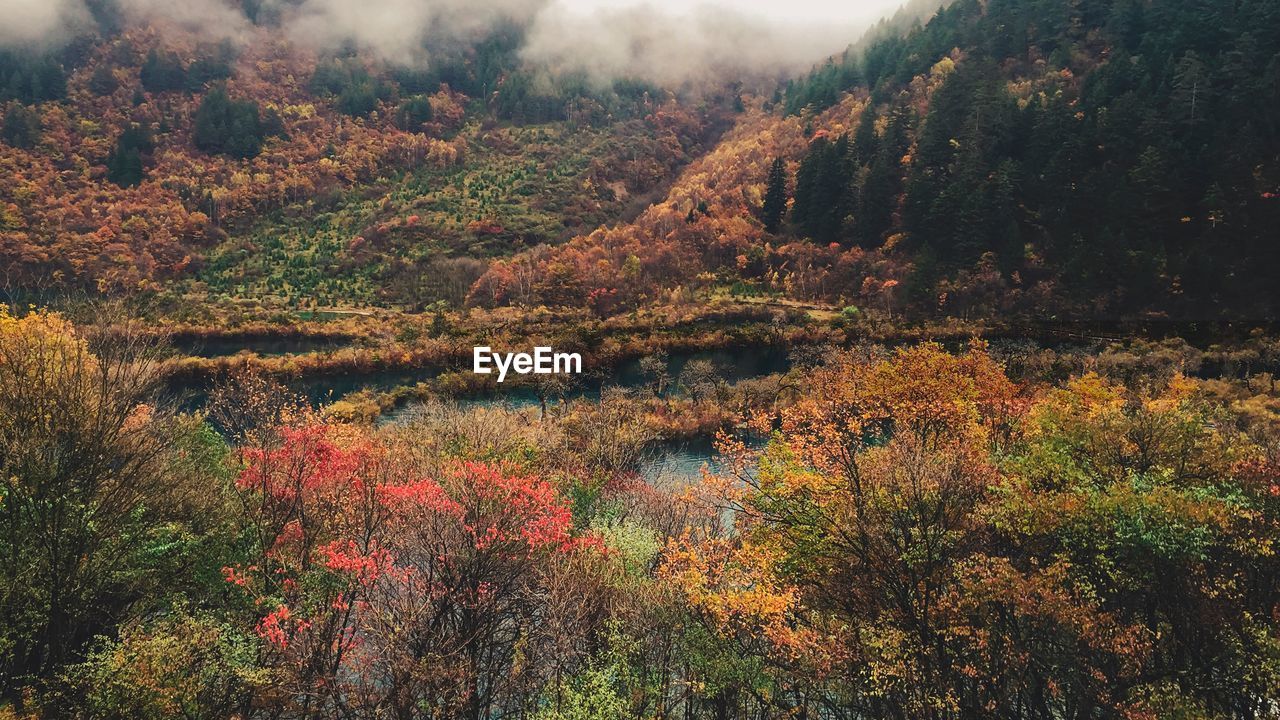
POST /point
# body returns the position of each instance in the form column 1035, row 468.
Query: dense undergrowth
column 1004, row 530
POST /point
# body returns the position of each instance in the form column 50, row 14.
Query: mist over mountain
column 662, row 43
column 36, row 22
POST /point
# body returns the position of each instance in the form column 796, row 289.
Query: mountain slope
column 146, row 157
column 1104, row 158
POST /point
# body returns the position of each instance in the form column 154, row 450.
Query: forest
column 1102, row 160
column 926, row 532
column 936, row 382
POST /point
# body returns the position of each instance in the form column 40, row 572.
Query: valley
column 934, row 377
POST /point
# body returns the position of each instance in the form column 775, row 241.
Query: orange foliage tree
column 383, row 590
column 924, row 538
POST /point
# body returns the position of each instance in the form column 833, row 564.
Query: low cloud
column 669, row 44
column 207, row 17
column 668, row 47
column 400, row 31
column 39, row 22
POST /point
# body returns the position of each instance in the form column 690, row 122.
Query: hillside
column 1101, row 159
column 1106, row 159
column 147, row 157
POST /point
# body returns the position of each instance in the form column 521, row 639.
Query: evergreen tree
column 124, row 167
column 1145, row 182
column 358, row 99
column 30, row 79
column 775, row 196
column 413, row 112
column 355, row 91
column 21, row 127
column 206, row 70
column 103, row 81
column 226, row 126
column 124, row 164
column 162, row 72
column 273, row 124
column 882, row 179
column 823, row 199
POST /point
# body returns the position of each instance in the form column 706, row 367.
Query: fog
column 31, row 22
column 670, row 44
column 667, row 41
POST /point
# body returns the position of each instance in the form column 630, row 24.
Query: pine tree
column 823, row 191
column 103, row 81
column 413, row 112
column 775, row 197
column 124, row 164
column 230, row 127
column 21, row 126
column 162, row 72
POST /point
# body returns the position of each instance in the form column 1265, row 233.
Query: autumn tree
column 924, row 539
column 656, row 369
column 88, row 467
column 397, row 582
column 1137, row 498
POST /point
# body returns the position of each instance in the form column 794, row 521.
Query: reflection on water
column 323, row 389
column 732, row 366
column 684, row 460
column 680, row 461
column 671, row 461
column 676, row 461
